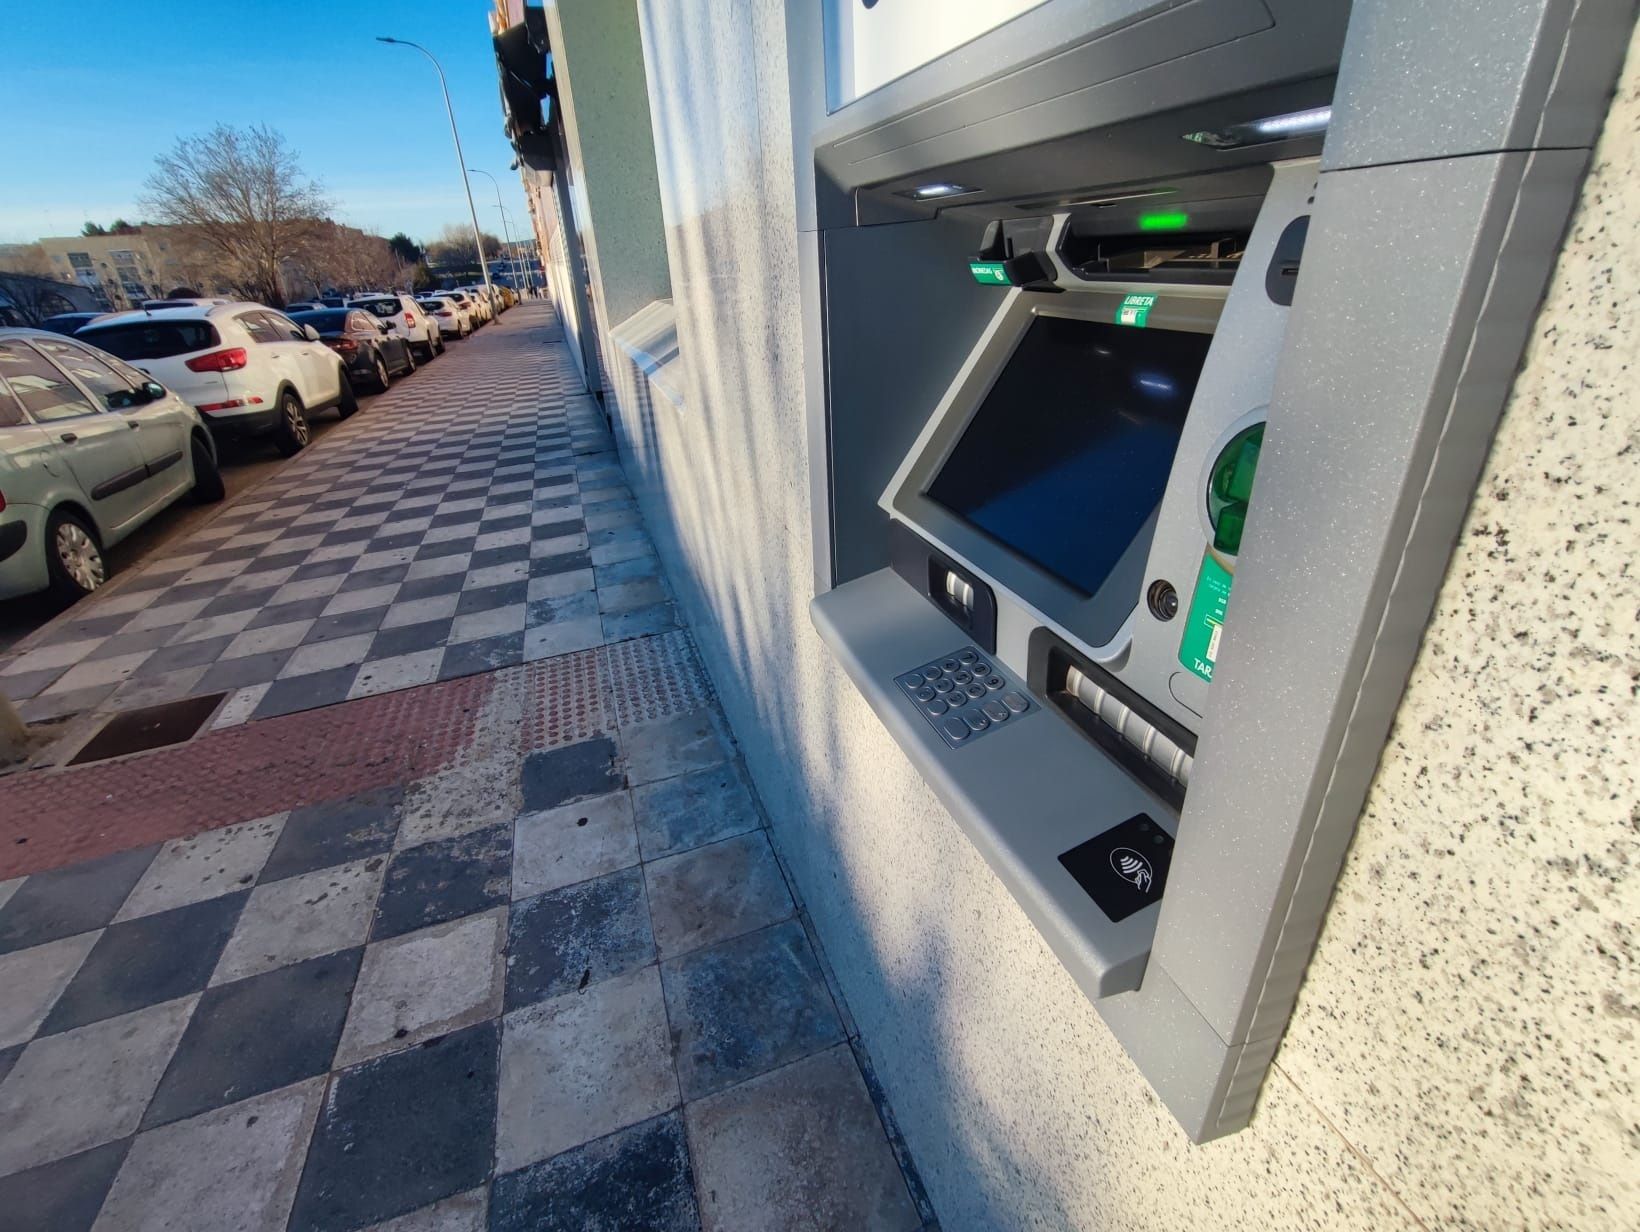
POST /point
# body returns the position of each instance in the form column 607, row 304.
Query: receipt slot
column 1136, row 350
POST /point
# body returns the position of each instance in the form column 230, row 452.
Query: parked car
column 371, row 350
column 306, row 305
column 251, row 371
column 448, row 314
column 475, row 310
column 74, row 478
column 148, row 304
column 70, row 322
column 408, row 319
column 481, row 305
column 333, row 301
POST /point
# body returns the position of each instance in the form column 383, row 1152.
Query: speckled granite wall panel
column 1470, row 1019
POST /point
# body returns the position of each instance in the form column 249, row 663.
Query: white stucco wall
column 1464, row 1049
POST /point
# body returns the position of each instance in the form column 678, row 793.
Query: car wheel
column 438, row 343
column 409, row 359
column 74, row 561
column 208, row 485
column 381, row 380
column 293, row 432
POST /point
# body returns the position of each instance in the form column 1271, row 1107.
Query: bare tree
column 245, row 198
column 341, row 258
column 454, row 251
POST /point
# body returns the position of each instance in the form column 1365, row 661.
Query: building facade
column 122, row 270
column 1461, row 1048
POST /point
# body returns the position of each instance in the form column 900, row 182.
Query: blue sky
column 92, row 90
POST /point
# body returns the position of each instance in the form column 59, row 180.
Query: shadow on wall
column 723, row 485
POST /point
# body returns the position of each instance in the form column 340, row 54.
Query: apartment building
column 122, row 270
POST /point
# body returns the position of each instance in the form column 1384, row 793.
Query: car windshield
column 325, row 320
column 433, row 303
column 380, row 307
column 138, row 340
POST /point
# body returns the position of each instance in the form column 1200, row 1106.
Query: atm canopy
column 1184, row 93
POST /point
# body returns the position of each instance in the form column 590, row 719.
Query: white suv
column 469, row 301
column 449, row 314
column 408, row 319
column 249, row 370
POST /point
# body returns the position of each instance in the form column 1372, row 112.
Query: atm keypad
column 963, row 696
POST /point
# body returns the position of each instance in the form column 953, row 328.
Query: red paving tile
column 53, row 817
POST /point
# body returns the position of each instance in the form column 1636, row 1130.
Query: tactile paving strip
column 655, row 677
column 566, row 701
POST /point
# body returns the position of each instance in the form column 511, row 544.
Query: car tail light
column 440, row 312
column 231, row 360
column 409, row 319
column 2, row 502
column 345, row 345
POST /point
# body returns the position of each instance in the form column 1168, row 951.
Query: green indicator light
column 1176, row 221
column 1135, row 310
column 990, row 273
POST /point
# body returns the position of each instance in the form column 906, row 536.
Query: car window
column 140, row 340
column 117, row 393
column 284, row 329
column 11, row 411
column 259, row 327
column 44, row 391
column 324, row 319
column 381, row 307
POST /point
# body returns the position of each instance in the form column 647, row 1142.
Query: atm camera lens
column 1163, row 600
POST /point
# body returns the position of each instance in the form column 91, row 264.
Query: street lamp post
column 529, row 274
column 512, row 255
column 461, row 161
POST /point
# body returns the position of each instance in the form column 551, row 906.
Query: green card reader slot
column 1229, row 493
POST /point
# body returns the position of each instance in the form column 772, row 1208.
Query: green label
column 991, row 273
column 1135, row 309
column 1199, row 648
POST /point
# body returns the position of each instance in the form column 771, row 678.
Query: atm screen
column 1070, row 451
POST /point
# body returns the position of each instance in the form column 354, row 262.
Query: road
column 244, row 467
column 453, row 526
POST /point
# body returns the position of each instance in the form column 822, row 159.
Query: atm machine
column 1161, row 345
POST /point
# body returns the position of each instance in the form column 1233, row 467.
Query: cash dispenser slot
column 1202, row 259
column 1156, row 749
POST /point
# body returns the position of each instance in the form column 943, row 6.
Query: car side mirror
column 311, row 334
column 384, row 327
column 153, row 390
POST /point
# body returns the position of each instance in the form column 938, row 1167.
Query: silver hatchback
column 90, row 449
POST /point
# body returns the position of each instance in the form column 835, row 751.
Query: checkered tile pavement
column 602, row 1010
column 557, row 981
column 472, row 518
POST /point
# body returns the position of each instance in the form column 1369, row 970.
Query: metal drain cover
column 152, row 727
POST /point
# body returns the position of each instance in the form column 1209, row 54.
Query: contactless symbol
column 1138, row 851
column 1133, row 868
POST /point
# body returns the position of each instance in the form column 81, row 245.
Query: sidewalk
column 508, row 948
